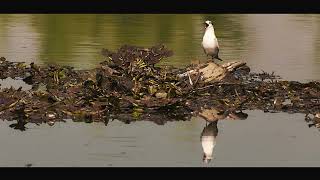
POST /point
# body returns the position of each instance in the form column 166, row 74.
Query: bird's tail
column 219, row 58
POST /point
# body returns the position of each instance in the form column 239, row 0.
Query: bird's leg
column 219, row 58
column 212, row 58
column 208, row 58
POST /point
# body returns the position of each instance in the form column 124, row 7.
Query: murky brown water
column 286, row 44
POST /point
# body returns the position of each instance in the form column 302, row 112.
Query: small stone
column 50, row 123
column 51, row 115
column 28, row 165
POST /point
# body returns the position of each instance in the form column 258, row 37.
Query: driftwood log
column 212, row 72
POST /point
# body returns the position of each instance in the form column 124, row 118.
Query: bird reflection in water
column 208, row 140
column 210, row 131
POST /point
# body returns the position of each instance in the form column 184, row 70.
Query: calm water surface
column 289, row 45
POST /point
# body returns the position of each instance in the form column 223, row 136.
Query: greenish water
column 286, row 44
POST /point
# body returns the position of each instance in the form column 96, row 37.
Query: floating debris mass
column 128, row 86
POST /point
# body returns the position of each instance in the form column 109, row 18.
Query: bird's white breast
column 208, row 143
column 209, row 39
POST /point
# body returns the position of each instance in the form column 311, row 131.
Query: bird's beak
column 205, row 25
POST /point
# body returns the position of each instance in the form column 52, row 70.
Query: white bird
column 208, row 140
column 210, row 42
